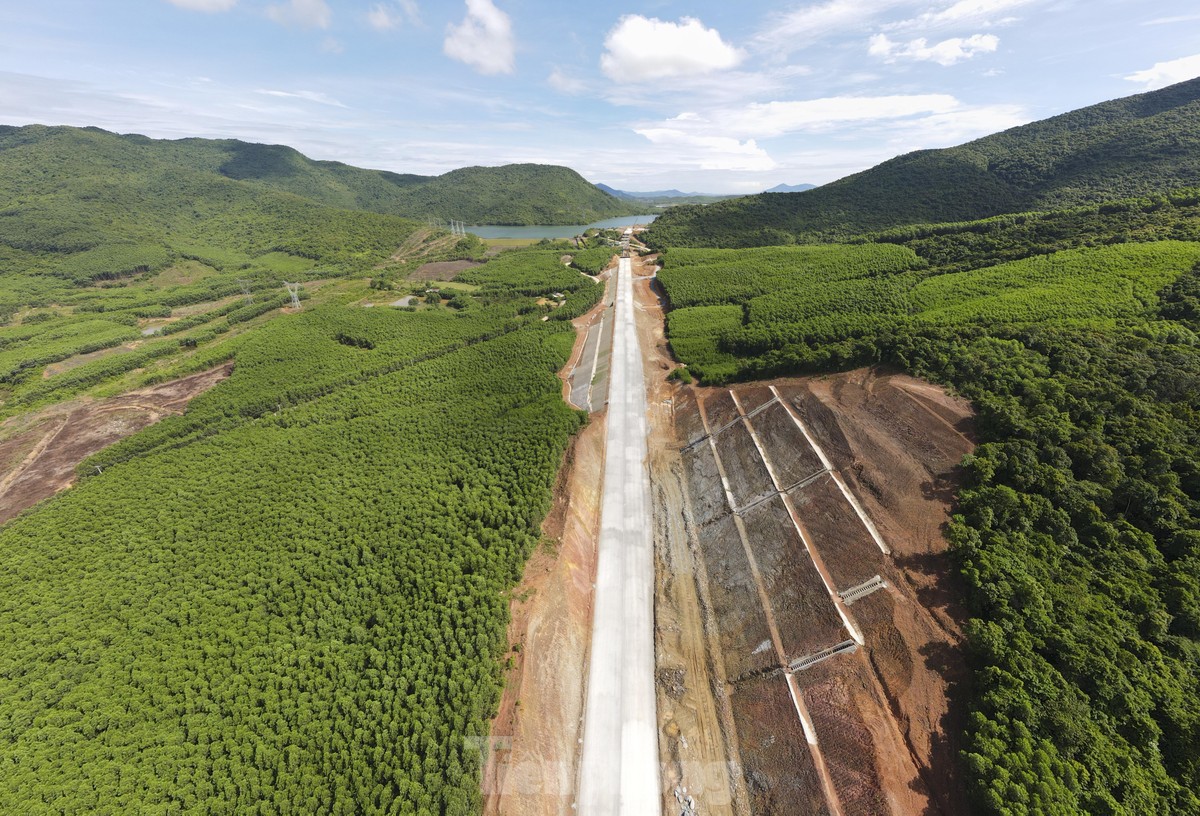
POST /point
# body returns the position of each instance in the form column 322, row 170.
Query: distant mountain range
column 666, row 194
column 1124, row 148
column 512, row 194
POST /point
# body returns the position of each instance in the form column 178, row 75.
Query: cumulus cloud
column 303, row 13
column 387, row 16
column 640, row 49
column 483, row 40
column 1162, row 74
column 204, row 5
column 946, row 52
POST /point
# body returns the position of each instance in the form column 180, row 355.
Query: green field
column 797, row 306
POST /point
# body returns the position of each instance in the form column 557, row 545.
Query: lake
column 539, row 232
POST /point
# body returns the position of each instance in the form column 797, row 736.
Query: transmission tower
column 458, row 227
column 294, row 291
column 245, row 284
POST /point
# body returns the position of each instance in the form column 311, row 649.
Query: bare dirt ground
column 740, row 595
column 441, row 270
column 887, row 715
column 698, row 735
column 39, row 451
column 531, row 761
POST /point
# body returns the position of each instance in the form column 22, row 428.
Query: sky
column 703, row 96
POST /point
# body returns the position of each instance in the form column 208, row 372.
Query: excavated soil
column 740, row 596
column 885, row 716
column 441, row 270
column 39, row 452
column 698, row 733
column 531, row 757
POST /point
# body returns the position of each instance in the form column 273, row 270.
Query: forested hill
column 513, row 194
column 1118, row 149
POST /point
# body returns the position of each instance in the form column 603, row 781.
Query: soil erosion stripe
column 818, row 562
column 850, row 497
column 810, row 734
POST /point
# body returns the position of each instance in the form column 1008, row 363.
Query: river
column 538, row 232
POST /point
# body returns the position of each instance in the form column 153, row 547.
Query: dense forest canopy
column 1139, row 145
column 1075, row 334
column 293, row 597
column 512, row 194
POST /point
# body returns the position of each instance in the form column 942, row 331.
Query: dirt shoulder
column 531, row 757
column 39, row 451
column 697, row 739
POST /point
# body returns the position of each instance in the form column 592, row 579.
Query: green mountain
column 83, row 204
column 513, row 194
column 1127, row 147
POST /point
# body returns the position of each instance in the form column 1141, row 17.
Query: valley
column 789, row 504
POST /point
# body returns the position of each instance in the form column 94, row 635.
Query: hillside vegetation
column 1135, row 146
column 293, row 598
column 1076, row 335
column 512, row 194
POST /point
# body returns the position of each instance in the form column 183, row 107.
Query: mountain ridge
column 1122, row 148
column 509, row 194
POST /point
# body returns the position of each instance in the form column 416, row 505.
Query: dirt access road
column 619, row 768
column 39, row 451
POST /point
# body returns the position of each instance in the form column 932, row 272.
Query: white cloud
column 966, row 14
column 387, row 16
column 1162, row 74
column 307, row 96
column 304, row 13
column 1184, row 18
column 728, row 137
column 955, row 127
column 769, row 119
column 796, row 29
column 483, row 40
column 565, row 84
column 709, row 152
column 205, row 5
column 641, row 49
column 946, row 52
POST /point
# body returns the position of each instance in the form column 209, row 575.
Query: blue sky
column 709, row 96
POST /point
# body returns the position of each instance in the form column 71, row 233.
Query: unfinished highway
column 619, row 764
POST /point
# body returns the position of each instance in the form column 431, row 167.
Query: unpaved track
column 698, row 737
column 532, row 755
column 70, row 432
column 619, row 765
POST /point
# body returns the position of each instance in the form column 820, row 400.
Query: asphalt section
column 619, row 768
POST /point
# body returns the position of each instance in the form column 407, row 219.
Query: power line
column 294, row 291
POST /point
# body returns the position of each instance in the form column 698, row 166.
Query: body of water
column 539, row 232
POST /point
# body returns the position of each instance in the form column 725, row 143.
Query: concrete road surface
column 619, row 766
